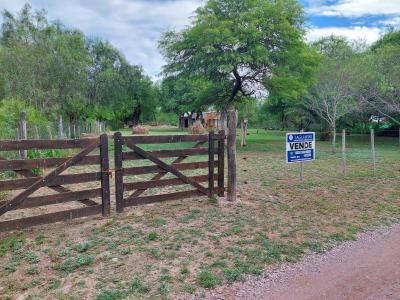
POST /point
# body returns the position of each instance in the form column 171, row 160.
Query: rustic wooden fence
column 161, row 168
column 55, row 181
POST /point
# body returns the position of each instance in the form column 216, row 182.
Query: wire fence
column 59, row 129
column 55, row 130
column 356, row 155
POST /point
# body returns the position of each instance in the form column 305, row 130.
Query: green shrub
column 207, row 279
column 152, row 236
column 10, row 243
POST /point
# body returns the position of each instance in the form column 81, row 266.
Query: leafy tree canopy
column 244, row 48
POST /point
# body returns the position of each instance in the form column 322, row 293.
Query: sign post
column 300, row 147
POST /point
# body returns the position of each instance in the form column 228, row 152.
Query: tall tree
column 244, row 47
column 379, row 71
column 334, row 93
column 43, row 64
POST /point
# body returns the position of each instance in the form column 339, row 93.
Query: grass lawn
column 170, row 250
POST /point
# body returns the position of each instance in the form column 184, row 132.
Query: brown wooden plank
column 54, row 186
column 166, row 153
column 29, row 164
column 162, row 197
column 162, row 174
column 166, row 167
column 119, row 178
column 43, row 181
column 211, row 164
column 57, row 198
column 221, row 165
column 160, row 139
column 105, row 175
column 219, row 136
column 16, row 184
column 129, row 186
column 50, row 218
column 11, row 145
column 157, row 169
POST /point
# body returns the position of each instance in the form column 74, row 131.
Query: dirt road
column 368, row 268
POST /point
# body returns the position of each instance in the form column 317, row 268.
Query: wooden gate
column 162, row 168
column 53, row 180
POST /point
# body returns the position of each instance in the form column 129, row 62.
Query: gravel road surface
column 368, row 268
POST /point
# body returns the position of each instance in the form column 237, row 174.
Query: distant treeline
column 284, row 82
column 55, row 70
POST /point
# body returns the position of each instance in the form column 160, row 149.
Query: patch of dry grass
column 169, row 250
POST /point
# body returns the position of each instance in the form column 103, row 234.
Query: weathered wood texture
column 211, row 164
column 16, row 184
column 105, row 175
column 53, row 180
column 28, row 164
column 157, row 169
column 50, row 218
column 119, row 183
column 162, row 168
column 161, row 139
column 221, row 165
column 231, row 151
column 10, row 145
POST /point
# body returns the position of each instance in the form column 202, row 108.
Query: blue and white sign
column 300, row 147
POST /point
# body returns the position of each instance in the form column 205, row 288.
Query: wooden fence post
column 245, row 125
column 344, row 167
column 221, row 164
column 23, row 133
column 105, row 177
column 49, row 132
column 242, row 134
column 373, row 151
column 231, row 151
column 119, row 187
column 37, row 136
column 60, row 130
column 211, row 163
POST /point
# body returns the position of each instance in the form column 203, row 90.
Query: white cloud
column 133, row 26
column 355, row 8
column 392, row 21
column 367, row 34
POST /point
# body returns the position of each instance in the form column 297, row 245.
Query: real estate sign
column 300, row 147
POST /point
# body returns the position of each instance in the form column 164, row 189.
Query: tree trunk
column 231, row 151
column 334, row 140
column 136, row 116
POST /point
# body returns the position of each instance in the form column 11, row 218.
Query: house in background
column 188, row 118
column 210, row 120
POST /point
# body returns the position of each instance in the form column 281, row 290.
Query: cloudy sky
column 134, row 26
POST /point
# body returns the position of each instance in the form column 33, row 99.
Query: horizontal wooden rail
column 50, row 218
column 162, row 197
column 161, row 139
column 166, row 153
column 10, row 145
column 36, row 201
column 28, row 164
column 157, row 169
column 129, row 186
column 15, row 184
